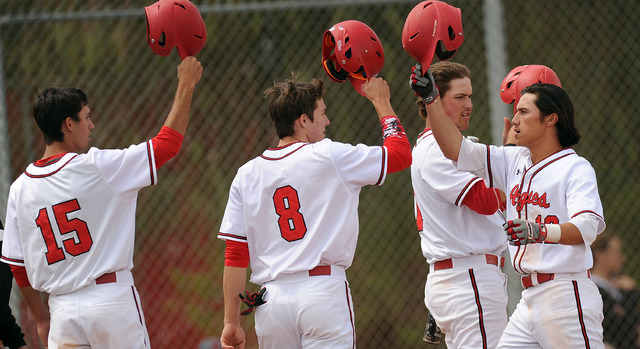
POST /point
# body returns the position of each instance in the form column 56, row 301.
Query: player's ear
column 551, row 119
column 67, row 124
column 304, row 119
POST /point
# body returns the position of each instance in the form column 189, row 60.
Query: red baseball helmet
column 175, row 23
column 432, row 27
column 351, row 50
column 523, row 76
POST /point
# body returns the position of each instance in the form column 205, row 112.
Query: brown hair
column 291, row 98
column 443, row 72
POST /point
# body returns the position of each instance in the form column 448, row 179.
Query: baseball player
column 292, row 216
column 459, row 220
column 71, row 219
column 554, row 214
column 513, row 84
column 10, row 332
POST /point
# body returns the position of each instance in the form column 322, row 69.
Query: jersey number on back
column 290, row 221
column 84, row 241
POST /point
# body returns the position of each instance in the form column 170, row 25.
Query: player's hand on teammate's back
column 423, row 86
column 522, row 232
column 232, row 337
column 190, row 70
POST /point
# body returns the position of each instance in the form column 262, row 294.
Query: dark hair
column 53, row 106
column 291, row 98
column 443, row 72
column 553, row 99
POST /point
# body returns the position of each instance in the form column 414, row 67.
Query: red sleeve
column 483, row 200
column 397, row 144
column 236, row 254
column 166, row 145
column 20, row 274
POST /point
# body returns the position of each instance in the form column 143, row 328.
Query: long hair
column 553, row 99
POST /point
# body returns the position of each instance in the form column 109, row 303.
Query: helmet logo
column 339, row 45
column 435, row 28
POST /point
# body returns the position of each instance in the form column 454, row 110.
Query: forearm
column 569, row 234
column 397, row 144
column 233, row 284
column 178, row 117
column 189, row 73
column 36, row 303
column 445, row 132
column 383, row 108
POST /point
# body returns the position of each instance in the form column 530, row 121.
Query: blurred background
column 100, row 46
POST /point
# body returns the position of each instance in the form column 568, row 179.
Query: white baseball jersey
column 72, row 219
column 297, row 206
column 449, row 229
column 560, row 188
column 468, row 301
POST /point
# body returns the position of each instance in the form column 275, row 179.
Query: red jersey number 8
column 290, row 221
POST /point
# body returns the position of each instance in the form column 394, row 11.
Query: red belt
column 107, row 278
column 542, row 277
column 527, row 280
column 320, row 270
column 448, row 263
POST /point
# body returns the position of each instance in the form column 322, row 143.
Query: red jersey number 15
column 56, row 253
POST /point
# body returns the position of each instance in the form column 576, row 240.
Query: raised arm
column 394, row 137
column 167, row 143
column 445, row 132
column 377, row 91
column 189, row 73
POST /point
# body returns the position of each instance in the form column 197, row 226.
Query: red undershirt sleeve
column 236, row 254
column 166, row 145
column 20, row 274
column 483, row 200
column 397, row 144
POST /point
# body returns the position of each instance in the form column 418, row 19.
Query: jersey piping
column 53, row 161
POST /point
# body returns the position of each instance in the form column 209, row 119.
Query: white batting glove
column 521, row 232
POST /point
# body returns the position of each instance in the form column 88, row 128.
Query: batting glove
column 423, row 86
column 521, row 232
column 252, row 300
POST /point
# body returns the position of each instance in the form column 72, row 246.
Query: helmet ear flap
column 335, row 74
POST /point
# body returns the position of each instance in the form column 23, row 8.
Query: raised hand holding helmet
column 175, row 23
column 352, row 50
column 432, row 27
column 424, row 86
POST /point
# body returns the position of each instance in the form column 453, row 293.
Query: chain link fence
column 100, row 46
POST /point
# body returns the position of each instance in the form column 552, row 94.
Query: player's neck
column 542, row 149
column 57, row 148
column 289, row 140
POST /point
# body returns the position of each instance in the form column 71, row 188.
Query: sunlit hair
column 53, row 106
column 443, row 72
column 290, row 99
column 553, row 99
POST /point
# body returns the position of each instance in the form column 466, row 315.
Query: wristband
column 554, row 232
